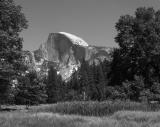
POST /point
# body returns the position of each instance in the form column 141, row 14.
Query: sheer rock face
column 65, row 52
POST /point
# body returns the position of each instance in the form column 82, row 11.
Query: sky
column 92, row 20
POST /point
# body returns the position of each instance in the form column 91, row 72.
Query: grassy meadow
column 83, row 114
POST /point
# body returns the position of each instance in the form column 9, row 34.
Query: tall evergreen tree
column 31, row 89
column 54, row 86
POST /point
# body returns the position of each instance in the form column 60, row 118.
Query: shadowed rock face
column 65, row 52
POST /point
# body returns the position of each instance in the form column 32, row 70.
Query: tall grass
column 118, row 119
column 90, row 108
column 49, row 120
column 54, row 115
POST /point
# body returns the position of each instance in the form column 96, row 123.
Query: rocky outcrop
column 65, row 52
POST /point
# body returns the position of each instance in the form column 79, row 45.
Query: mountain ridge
column 65, row 52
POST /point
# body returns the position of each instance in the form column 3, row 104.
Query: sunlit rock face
column 65, row 52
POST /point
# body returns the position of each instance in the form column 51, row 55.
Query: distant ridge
column 65, row 52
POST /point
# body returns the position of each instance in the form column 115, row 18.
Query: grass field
column 46, row 116
column 94, row 108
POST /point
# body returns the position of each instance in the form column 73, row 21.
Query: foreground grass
column 119, row 119
column 90, row 108
column 48, row 120
column 83, row 114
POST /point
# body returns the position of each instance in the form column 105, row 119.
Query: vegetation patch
column 95, row 108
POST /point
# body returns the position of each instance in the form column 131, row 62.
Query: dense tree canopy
column 12, row 22
column 139, row 49
column 139, row 41
column 31, row 89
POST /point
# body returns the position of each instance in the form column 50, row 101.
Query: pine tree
column 31, row 89
column 54, row 86
column 101, row 82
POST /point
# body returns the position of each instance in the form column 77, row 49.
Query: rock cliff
column 65, row 52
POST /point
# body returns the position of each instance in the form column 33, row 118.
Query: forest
column 132, row 74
